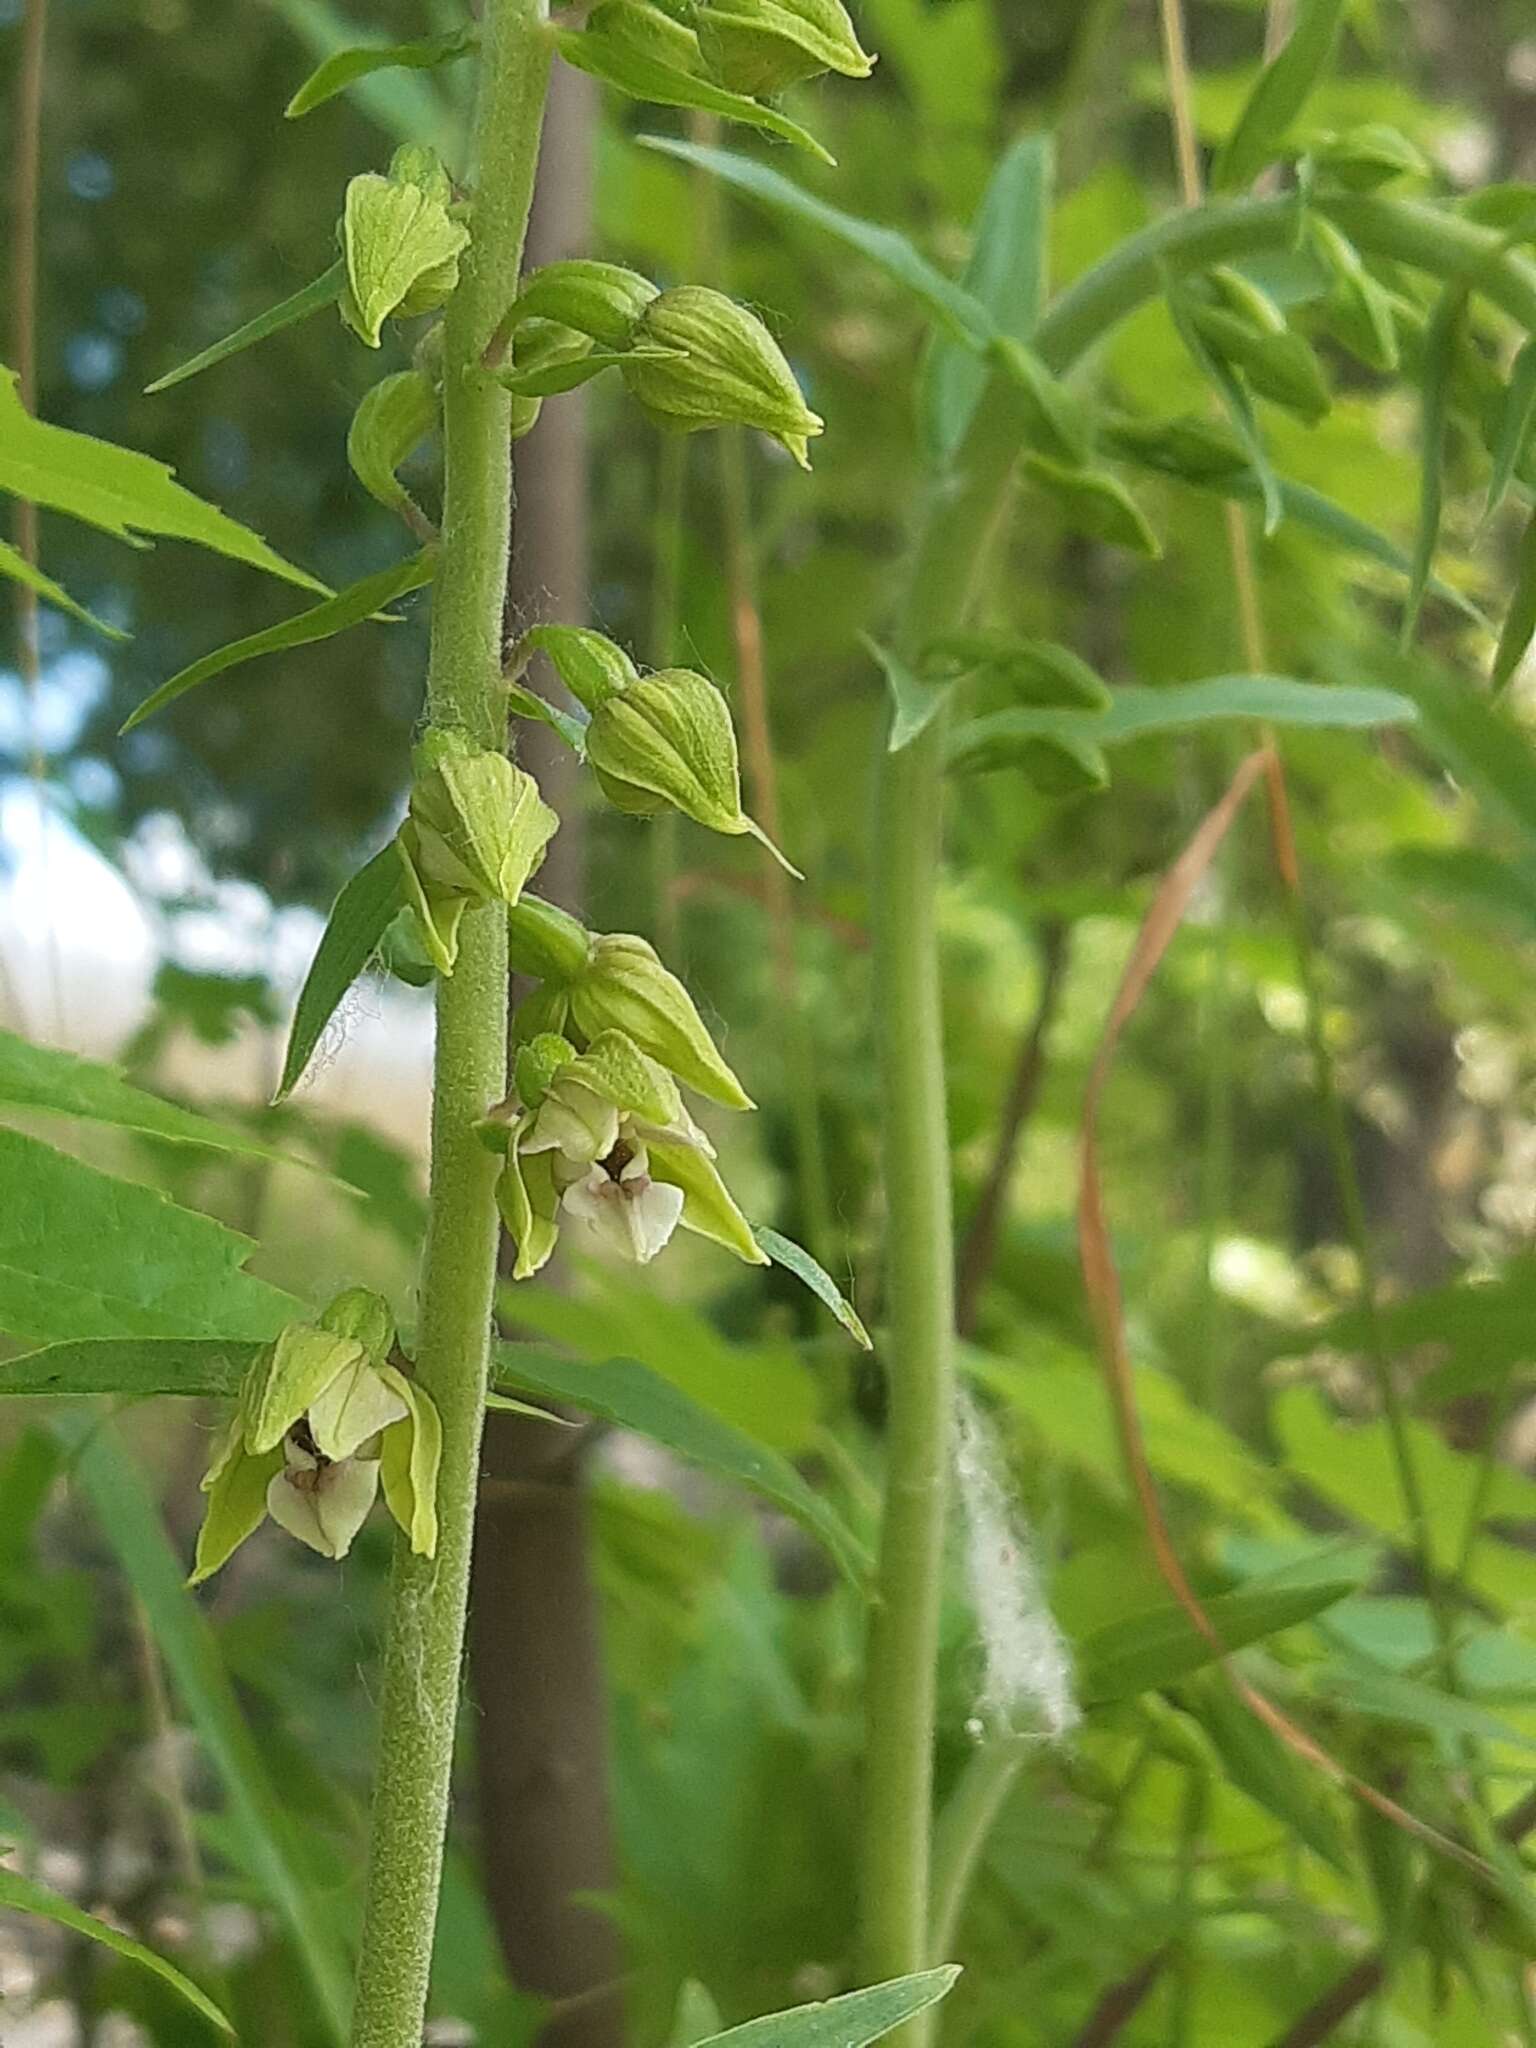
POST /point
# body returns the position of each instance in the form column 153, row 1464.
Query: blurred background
column 660, row 1766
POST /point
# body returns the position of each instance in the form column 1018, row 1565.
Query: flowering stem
column 425, row 1642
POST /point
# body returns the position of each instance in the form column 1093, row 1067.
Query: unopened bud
column 480, row 824
column 545, row 941
column 626, row 988
column 761, row 46
column 366, row 1316
column 591, row 666
column 1245, row 327
column 1365, row 157
column 732, row 371
column 537, row 1063
column 600, row 300
column 668, row 740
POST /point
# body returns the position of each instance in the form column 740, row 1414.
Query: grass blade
column 1515, row 424
column 1440, row 343
column 1520, row 619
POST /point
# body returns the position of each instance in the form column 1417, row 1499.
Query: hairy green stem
column 424, row 1649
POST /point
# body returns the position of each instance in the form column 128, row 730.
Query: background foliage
column 1172, row 1874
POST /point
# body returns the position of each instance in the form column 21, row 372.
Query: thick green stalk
column 919, row 1259
column 424, row 1650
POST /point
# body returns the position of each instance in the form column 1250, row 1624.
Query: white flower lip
column 323, row 1505
column 628, row 1212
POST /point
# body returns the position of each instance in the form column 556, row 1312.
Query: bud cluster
column 691, row 357
column 326, row 1419
column 595, row 1128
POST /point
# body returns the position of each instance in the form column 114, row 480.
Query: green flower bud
column 536, row 1064
column 1032, row 671
column 1358, row 309
column 545, row 1009
column 402, row 253
column 591, row 666
column 529, row 1202
column 1095, row 502
column 600, row 300
column 365, row 1316
column 403, row 953
column 1245, row 328
column 481, row 826
column 668, row 739
column 733, row 372
column 545, row 941
column 650, row 34
column 1365, row 157
column 761, row 46
column 390, row 421
column 415, row 163
column 626, row 988
column 1194, row 449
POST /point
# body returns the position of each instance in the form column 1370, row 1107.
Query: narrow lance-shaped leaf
column 852, row 2021
column 794, row 1258
column 1520, row 619
column 15, row 565
column 124, row 493
column 960, row 310
column 347, row 608
column 359, row 918
column 1515, row 424
column 310, row 298
column 624, row 1392
column 20, row 1894
column 344, row 67
column 1006, row 275
column 648, row 78
column 1283, row 88
column 1441, row 339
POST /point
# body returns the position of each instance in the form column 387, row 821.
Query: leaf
column 343, row 67
column 20, row 1894
column 624, row 1392
column 118, row 490
column 131, row 1367
column 310, row 298
column 1144, row 1651
column 1477, row 740
column 1095, row 502
column 1515, row 423
column 648, row 78
column 83, row 1254
column 1520, row 620
column 349, row 607
column 131, row 1523
column 36, row 1077
column 15, row 565
column 1006, row 276
column 847, row 2022
column 1233, row 393
column 1441, row 340
column 915, row 701
column 1282, row 90
column 962, row 313
column 797, row 1260
column 1259, row 1764
column 1000, row 739
column 1388, row 1696
column 359, row 918
column 1320, row 515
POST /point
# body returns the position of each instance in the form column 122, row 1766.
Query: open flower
column 322, row 1421
column 603, row 1136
